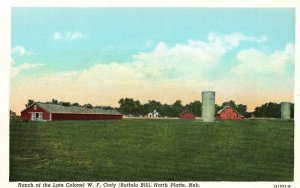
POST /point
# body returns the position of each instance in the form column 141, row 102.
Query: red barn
column 186, row 115
column 48, row 112
column 228, row 113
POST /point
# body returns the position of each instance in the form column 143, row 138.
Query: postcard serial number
column 282, row 186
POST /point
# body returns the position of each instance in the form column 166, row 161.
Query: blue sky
column 119, row 33
column 159, row 41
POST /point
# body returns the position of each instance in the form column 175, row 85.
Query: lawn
column 152, row 150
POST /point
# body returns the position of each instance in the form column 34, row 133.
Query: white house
column 153, row 114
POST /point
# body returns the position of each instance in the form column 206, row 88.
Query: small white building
column 153, row 114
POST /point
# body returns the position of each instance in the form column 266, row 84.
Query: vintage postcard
column 152, row 97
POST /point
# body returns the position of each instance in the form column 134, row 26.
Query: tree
column 88, row 105
column 177, row 107
column 12, row 113
column 292, row 111
column 75, row 104
column 230, row 103
column 138, row 108
column 195, row 107
column 240, row 108
column 166, row 110
column 54, row 101
column 151, row 106
column 271, row 110
column 218, row 108
column 129, row 106
column 30, row 102
column 107, row 108
column 64, row 103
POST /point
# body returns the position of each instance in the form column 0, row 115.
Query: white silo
column 208, row 106
column 285, row 110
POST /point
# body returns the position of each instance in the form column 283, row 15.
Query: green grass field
column 152, row 150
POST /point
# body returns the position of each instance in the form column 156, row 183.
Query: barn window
column 35, row 107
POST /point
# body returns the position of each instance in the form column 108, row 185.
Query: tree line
column 64, row 103
column 271, row 110
column 129, row 106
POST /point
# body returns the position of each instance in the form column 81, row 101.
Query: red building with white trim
column 228, row 113
column 48, row 112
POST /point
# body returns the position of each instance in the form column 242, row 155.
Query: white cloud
column 17, row 69
column 57, row 36
column 181, row 60
column 69, row 36
column 252, row 61
column 234, row 39
column 21, row 51
column 166, row 73
column 74, row 35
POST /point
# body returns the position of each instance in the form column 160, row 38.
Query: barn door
column 228, row 116
column 36, row 116
column 33, row 118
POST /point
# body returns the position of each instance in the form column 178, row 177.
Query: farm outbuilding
column 153, row 114
column 228, row 113
column 50, row 112
column 186, row 115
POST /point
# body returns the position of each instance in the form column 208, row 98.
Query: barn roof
column 56, row 108
column 220, row 111
column 186, row 111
